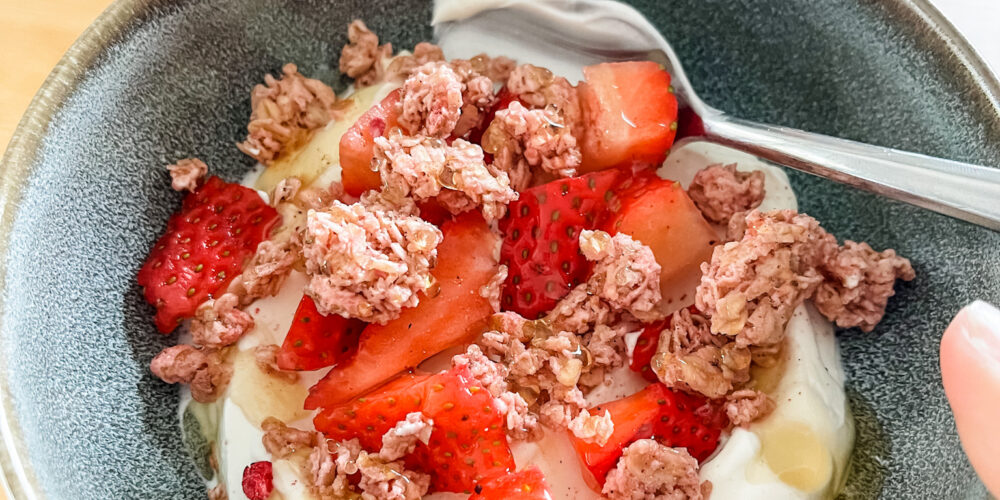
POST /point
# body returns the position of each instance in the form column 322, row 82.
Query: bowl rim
column 18, row 479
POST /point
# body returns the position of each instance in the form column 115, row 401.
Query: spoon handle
column 962, row 190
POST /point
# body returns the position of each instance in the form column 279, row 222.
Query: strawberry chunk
column 630, row 114
column 528, row 484
column 658, row 213
column 467, row 444
column 357, row 145
column 368, row 418
column 217, row 228
column 451, row 313
column 645, row 349
column 672, row 418
column 541, row 245
column 315, row 341
column 257, row 480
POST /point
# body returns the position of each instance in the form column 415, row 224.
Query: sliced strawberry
column 658, row 213
column 527, row 484
column 672, row 418
column 315, row 341
column 467, row 444
column 630, row 114
column 203, row 249
column 504, row 98
column 645, row 349
column 541, row 245
column 368, row 418
column 452, row 313
column 357, row 145
column 257, row 480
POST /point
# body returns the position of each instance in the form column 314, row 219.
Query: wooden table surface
column 34, row 34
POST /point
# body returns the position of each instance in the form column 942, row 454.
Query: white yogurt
column 811, row 406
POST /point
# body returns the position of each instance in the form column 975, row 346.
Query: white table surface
column 979, row 23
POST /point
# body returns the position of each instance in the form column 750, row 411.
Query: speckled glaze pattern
column 175, row 81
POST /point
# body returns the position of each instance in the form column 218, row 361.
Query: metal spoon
column 578, row 32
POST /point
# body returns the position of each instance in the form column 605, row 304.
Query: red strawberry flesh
column 315, row 341
column 672, row 418
column 204, row 247
column 541, row 245
column 467, row 445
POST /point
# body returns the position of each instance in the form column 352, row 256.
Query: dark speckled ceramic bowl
column 84, row 194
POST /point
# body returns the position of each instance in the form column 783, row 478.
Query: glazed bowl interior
column 85, row 193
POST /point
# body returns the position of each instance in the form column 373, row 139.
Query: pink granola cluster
column 204, row 370
column 522, row 138
column 362, row 58
column 186, row 174
column 649, row 470
column 368, row 260
column 284, row 110
column 334, row 468
column 456, row 175
column 751, row 286
column 441, row 99
column 722, row 191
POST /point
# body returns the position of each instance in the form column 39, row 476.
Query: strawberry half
column 205, row 246
column 528, row 484
column 258, row 481
column 467, row 444
column 315, row 341
column 541, row 245
column 674, row 419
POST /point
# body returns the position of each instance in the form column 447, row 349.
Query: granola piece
column 693, row 359
column 384, row 480
column 606, row 346
column 521, row 424
column 218, row 492
column 204, row 370
column 362, row 58
column 402, row 439
column 285, row 190
column 285, row 111
column 593, row 428
column 492, row 290
column 330, row 466
column 540, row 89
column 281, row 440
column 266, row 358
column 267, row 270
column 368, row 260
column 858, row 283
column 186, row 174
column 625, row 275
column 455, row 174
column 497, row 69
column 722, row 191
column 649, row 470
column 402, row 66
column 431, row 101
column 751, row 286
column 580, row 311
column 746, row 406
column 218, row 323
column 522, row 138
